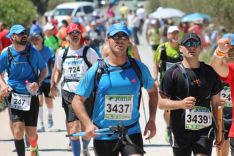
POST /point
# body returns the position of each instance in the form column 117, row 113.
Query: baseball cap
column 231, row 36
column 118, row 27
column 171, row 29
column 72, row 27
column 15, row 29
column 189, row 36
column 48, row 26
column 36, row 34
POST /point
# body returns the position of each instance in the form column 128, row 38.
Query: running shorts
column 45, row 89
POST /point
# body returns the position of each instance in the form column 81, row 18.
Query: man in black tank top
column 187, row 90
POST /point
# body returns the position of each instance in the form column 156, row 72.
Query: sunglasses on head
column 192, row 44
column 74, row 32
column 119, row 37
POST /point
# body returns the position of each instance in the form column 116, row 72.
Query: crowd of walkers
column 102, row 77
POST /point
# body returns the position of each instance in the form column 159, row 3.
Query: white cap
column 48, row 26
column 172, row 29
column 153, row 21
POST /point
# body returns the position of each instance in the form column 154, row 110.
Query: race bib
column 226, row 93
column 197, row 118
column 20, row 102
column 169, row 65
column 118, row 107
column 74, row 68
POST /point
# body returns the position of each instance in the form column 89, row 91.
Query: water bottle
column 28, row 85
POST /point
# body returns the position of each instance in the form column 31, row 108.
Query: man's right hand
column 224, row 44
column 90, row 130
column 5, row 90
column 188, row 102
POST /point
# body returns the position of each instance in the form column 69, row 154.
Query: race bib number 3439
column 20, row 101
column 118, row 107
column 197, row 118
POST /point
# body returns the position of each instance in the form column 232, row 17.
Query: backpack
column 11, row 57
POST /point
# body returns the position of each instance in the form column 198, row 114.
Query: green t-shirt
column 52, row 42
column 154, row 36
column 170, row 52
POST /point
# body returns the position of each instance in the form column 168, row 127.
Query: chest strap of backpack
column 11, row 57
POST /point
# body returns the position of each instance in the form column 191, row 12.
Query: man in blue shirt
column 117, row 98
column 22, row 63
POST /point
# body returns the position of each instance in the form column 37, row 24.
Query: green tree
column 17, row 12
column 41, row 5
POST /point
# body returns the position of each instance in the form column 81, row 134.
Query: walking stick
column 219, row 138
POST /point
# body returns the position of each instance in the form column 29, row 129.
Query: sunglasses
column 192, row 44
column 74, row 32
column 119, row 37
column 22, row 33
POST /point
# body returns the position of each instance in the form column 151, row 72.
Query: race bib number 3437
column 118, row 107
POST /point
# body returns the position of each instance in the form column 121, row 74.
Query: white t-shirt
column 74, row 67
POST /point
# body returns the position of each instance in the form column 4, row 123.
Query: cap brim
column 8, row 35
column 112, row 33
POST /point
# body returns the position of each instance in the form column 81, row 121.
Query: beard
column 22, row 42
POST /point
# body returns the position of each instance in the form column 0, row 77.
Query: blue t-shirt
column 121, row 83
column 49, row 58
column 20, row 69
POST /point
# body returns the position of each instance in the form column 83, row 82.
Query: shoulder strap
column 85, row 56
column 102, row 67
column 28, row 59
column 64, row 55
column 184, row 73
column 10, row 57
column 137, row 69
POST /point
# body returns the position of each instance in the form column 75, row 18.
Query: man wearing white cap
column 50, row 39
column 153, row 36
column 165, row 56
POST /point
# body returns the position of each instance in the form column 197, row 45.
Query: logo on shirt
column 133, row 80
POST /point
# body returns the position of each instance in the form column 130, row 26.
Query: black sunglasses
column 119, row 37
column 74, row 32
column 22, row 33
column 192, row 44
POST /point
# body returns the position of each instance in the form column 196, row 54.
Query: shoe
column 34, row 151
column 50, row 121
column 85, row 152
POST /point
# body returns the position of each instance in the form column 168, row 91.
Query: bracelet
column 219, row 53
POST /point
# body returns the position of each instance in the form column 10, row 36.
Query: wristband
column 219, row 53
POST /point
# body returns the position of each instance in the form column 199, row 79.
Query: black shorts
column 67, row 98
column 105, row 147
column 226, row 130
column 196, row 142
column 28, row 117
column 45, row 89
column 232, row 146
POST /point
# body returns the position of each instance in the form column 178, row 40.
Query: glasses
column 22, row 33
column 119, row 37
column 192, row 44
column 74, row 32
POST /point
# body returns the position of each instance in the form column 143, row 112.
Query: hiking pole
column 103, row 131
column 143, row 103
